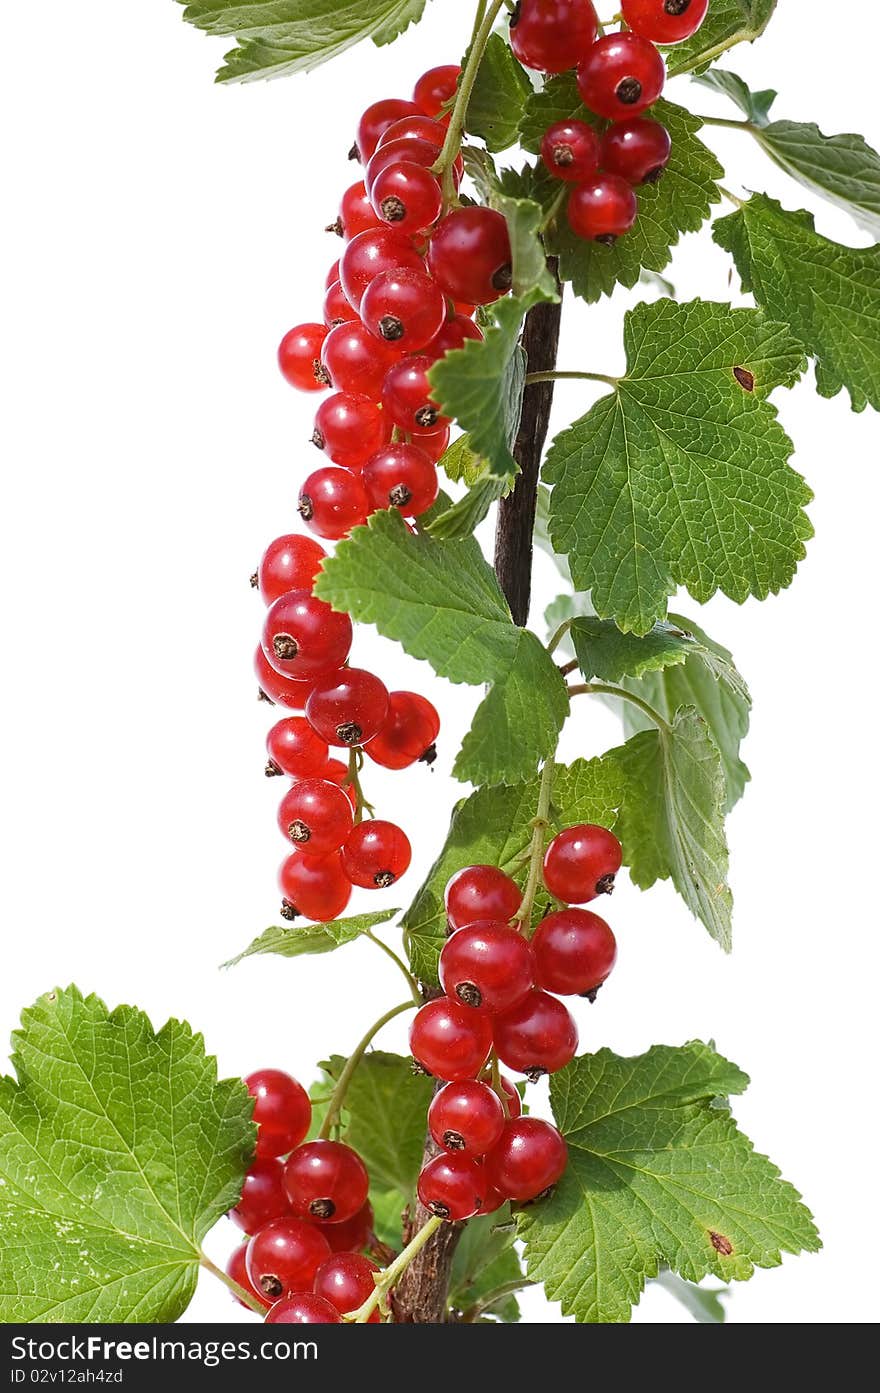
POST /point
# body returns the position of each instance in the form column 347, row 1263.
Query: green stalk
column 338, row 1096
column 452, row 144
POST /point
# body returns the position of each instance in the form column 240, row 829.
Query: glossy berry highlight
column 451, row 1187
column 581, row 863
column 449, row 1040
column 376, row 854
column 621, row 76
column 467, row 1116
column 326, row 1182
column 284, row 1256
column 348, row 707
column 487, row 965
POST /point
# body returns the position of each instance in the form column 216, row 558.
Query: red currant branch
column 484, row 22
column 539, row 824
column 331, row 1119
column 386, row 1281
column 603, row 689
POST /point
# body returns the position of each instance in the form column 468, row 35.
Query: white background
column 161, row 234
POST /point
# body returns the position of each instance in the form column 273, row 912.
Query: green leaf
column 485, row 1260
column 754, row 105
column 442, row 602
column 681, row 476
column 680, row 202
column 675, row 665
column 829, row 294
column 290, row 36
column 705, row 1304
column 119, row 1150
column 728, row 23
column 497, row 100
column 460, row 464
column 658, row 1173
column 294, row 940
column 385, row 1108
column 671, row 820
column 492, row 828
column 461, row 519
column 525, row 221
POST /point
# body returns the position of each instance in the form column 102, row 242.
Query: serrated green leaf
column 658, row 1173
column 525, row 219
column 512, row 729
column 680, row 202
column 605, row 652
column 830, row 294
column 728, row 23
column 485, row 1260
column 671, row 820
column 385, row 1108
column 681, row 476
column 492, row 828
column 119, row 1149
column 461, row 519
column 705, row 1304
column 290, row 36
column 295, row 940
column 460, row 464
column 497, row 100
column 754, row 105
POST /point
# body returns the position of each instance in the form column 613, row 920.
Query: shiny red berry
column 313, row 887
column 408, row 400
column 536, row 1037
column 454, row 334
column 332, row 501
column 570, row 150
column 284, row 1256
column 294, row 748
column 355, row 212
column 353, row 1234
column 356, row 362
column 337, row 310
column 466, row 1116
column 263, row 1197
column 487, row 965
column 282, row 1111
column 603, row 209
column 449, row 1040
column 316, row 816
column 637, row 150
column 435, row 88
column 376, row 120
column 552, row 36
column 299, row 357
column 303, row 637
column 469, row 255
column 581, row 863
column 346, row 1280
column 332, row 275
column 338, row 773
column 404, row 309
column 436, row 444
column 413, row 127
column 283, row 691
column 326, row 1182
column 303, row 1308
column 290, row 562
column 370, row 253
column 664, row 21
column 402, row 477
column 574, row 952
column 349, row 427
column 396, row 152
column 408, row 734
column 407, row 197
column 451, row 1187
column 236, row 1268
column 348, row 707
column 376, row 854
column 621, row 75
column 528, row 1160
column 478, row 894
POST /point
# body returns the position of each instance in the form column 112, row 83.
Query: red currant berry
column 348, row 707
column 346, row 1281
column 316, row 815
column 337, row 310
column 349, row 428
column 304, row 1308
column 574, row 952
column 451, row 1187
column 355, row 212
column 332, row 502
column 528, row 1160
column 638, row 150
column 236, row 1268
column 492, row 1198
column 326, row 1182
column 299, row 357
column 621, row 75
column 602, row 210
column 449, row 1040
column 376, row 854
column 411, row 151
column 402, row 477
column 536, row 1037
column 435, row 88
column 332, row 274
column 282, row 691
column 295, row 749
column 407, row 398
column 570, row 150
column 581, row 863
column 454, row 334
column 435, row 445
column 356, row 362
column 552, row 36
column 479, row 894
column 352, row 1235
column 664, row 21
column 407, row 197
column 511, row 1097
column 315, row 887
column 337, row 773
column 376, row 120
column 289, row 563
column 404, row 308
column 284, row 1257
column 263, row 1197
column 466, row 1116
column 282, row 1111
column 303, row 637
column 488, row 965
column 370, row 253
column 408, row 735
column 469, row 255
column 418, row 127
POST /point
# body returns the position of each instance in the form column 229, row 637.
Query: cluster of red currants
column 501, row 999
column 308, row 1216
column 619, row 75
column 302, row 664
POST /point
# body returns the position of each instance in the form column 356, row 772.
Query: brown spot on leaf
column 721, row 1244
column 745, row 379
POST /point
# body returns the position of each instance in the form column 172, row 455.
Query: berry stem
column 337, row 1099
column 355, row 765
column 731, row 197
column 492, row 1298
column 387, row 1279
column 496, row 1082
column 533, row 378
column 483, row 23
column 602, row 689
column 390, row 953
column 728, row 125
column 559, row 636
column 238, row 1292
column 539, row 825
